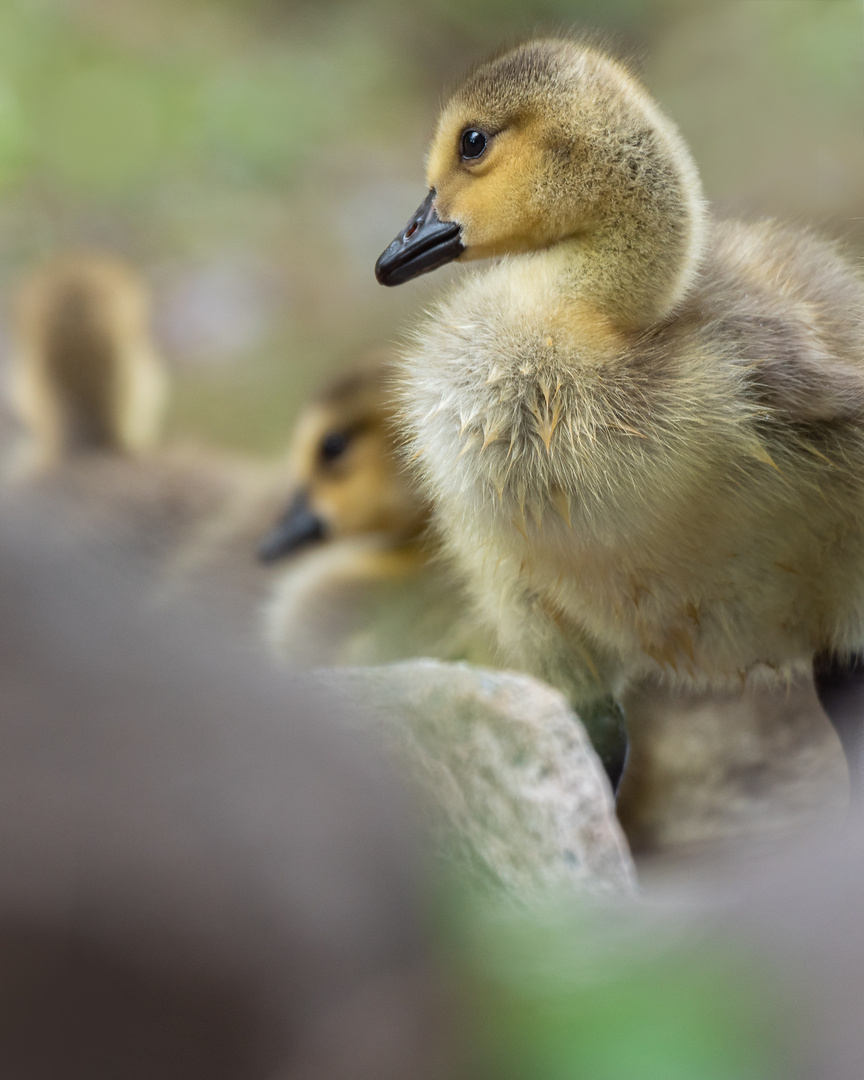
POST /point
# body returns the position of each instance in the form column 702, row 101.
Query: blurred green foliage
column 564, row 998
column 279, row 145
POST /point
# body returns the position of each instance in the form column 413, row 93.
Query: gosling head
column 85, row 374
column 348, row 477
column 555, row 144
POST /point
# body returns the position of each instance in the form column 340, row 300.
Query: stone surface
column 721, row 769
column 514, row 790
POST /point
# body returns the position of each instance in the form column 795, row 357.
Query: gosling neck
column 635, row 263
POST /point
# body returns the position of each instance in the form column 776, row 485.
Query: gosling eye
column 333, row 445
column 473, row 144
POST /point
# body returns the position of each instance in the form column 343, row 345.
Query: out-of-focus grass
column 254, row 157
column 561, row 999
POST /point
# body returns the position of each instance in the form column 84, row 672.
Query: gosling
column 85, row 376
column 363, row 585
column 642, row 429
column 90, row 389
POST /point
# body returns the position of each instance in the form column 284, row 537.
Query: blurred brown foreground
column 206, row 874
column 203, row 873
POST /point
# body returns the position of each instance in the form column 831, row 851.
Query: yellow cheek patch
column 367, row 494
column 303, row 454
column 493, row 200
column 441, row 161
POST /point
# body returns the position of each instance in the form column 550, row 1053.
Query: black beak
column 297, row 528
column 424, row 244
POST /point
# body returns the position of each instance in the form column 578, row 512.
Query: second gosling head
column 348, row 479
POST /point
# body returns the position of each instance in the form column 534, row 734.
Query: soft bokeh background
column 254, row 156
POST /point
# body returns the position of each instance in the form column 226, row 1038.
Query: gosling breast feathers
column 642, row 429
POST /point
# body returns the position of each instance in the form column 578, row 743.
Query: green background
column 253, row 158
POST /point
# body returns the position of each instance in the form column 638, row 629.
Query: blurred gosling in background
column 363, row 586
column 89, row 387
column 85, row 375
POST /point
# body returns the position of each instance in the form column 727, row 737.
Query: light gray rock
column 721, row 770
column 513, row 786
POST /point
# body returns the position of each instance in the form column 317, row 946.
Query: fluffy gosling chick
column 363, row 586
column 88, row 384
column 641, row 428
column 85, row 375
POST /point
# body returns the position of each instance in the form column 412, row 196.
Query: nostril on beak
column 424, row 244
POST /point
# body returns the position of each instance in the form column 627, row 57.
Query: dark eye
column 333, row 445
column 473, row 143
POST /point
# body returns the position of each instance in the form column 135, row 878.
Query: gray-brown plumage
column 642, row 429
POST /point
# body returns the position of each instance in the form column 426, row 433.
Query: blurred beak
column 298, row 527
column 424, row 244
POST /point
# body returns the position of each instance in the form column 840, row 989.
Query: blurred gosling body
column 363, row 586
column 641, row 429
column 90, row 389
